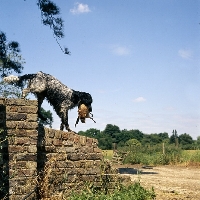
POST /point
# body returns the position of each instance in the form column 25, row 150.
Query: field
column 170, row 182
column 179, row 181
column 108, row 154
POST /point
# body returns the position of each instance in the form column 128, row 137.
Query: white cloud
column 139, row 99
column 120, row 50
column 80, row 8
column 186, row 54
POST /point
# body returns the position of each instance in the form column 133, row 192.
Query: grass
column 154, row 156
column 191, row 157
column 131, row 192
column 108, row 154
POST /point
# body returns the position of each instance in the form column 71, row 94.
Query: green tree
column 10, row 57
column 92, row 132
column 47, row 114
column 133, row 144
column 105, row 141
column 198, row 141
column 186, row 141
column 164, row 136
column 49, row 14
column 174, row 139
column 111, row 130
column 9, row 91
column 10, row 61
column 50, row 17
column 126, row 135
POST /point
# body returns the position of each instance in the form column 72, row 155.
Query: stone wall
column 43, row 163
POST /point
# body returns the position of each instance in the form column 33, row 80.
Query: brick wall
column 19, row 133
column 43, row 163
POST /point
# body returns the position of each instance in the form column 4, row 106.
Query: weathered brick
column 21, row 125
column 22, row 141
column 32, row 149
column 51, row 133
column 89, row 141
column 48, row 141
column 31, row 164
column 68, row 143
column 90, row 178
column 2, row 101
column 50, row 149
column 12, row 108
column 15, row 102
column 87, row 149
column 65, row 164
column 76, row 157
column 28, row 109
column 97, row 150
column 26, row 157
column 31, row 102
column 32, row 117
column 92, row 171
column 61, row 157
column 16, row 116
column 15, row 148
column 94, row 156
column 82, row 140
column 33, row 140
column 70, row 149
column 32, row 133
column 65, row 135
column 57, row 142
column 27, row 172
column 58, row 134
column 19, row 164
column 13, row 132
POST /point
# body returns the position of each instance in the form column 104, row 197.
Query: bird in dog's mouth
column 83, row 113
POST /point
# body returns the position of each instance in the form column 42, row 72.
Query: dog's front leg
column 64, row 120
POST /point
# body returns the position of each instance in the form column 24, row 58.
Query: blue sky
column 138, row 59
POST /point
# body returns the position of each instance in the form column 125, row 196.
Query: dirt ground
column 169, row 182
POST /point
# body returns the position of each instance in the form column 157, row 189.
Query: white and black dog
column 58, row 95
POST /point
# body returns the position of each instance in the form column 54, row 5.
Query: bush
column 131, row 192
column 154, row 155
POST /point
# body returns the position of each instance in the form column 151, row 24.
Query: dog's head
column 85, row 107
column 84, row 102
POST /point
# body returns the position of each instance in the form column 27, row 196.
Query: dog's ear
column 86, row 98
column 75, row 98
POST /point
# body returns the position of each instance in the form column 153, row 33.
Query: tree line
column 112, row 137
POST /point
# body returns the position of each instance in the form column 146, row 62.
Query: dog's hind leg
column 64, row 121
column 40, row 98
column 25, row 92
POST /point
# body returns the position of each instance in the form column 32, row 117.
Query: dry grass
column 108, row 154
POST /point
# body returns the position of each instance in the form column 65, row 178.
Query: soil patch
column 169, row 182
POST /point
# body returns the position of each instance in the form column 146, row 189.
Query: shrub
column 131, row 192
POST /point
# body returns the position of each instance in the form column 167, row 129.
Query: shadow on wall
column 4, row 159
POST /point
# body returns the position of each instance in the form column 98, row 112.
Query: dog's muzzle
column 82, row 120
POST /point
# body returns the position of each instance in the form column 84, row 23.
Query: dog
column 57, row 94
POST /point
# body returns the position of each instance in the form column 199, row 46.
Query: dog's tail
column 18, row 80
column 11, row 79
